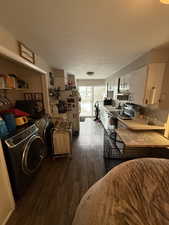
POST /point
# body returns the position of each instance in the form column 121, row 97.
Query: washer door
column 33, row 155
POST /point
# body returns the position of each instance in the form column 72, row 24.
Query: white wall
column 90, row 82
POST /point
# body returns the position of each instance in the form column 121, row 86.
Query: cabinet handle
column 153, row 95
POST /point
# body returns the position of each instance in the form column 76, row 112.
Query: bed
column 134, row 193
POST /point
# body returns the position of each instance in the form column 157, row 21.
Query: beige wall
column 90, row 82
column 154, row 56
column 8, row 41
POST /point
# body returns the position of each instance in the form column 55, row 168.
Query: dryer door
column 33, row 155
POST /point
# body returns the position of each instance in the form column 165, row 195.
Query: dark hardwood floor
column 57, row 189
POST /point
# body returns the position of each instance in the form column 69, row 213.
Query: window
column 89, row 95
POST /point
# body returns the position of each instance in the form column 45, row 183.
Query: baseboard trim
column 8, row 216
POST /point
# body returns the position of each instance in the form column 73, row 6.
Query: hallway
column 60, row 184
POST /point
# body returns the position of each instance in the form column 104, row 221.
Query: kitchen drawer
column 136, row 152
column 129, row 152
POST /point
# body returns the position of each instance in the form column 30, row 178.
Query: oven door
column 33, row 155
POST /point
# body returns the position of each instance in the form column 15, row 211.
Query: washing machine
column 45, row 126
column 24, row 153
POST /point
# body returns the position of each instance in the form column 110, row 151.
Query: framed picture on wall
column 26, row 53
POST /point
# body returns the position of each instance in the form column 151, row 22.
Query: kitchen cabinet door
column 113, row 85
column 125, row 83
column 122, row 83
column 154, row 83
column 6, row 198
column 146, row 84
column 137, row 84
column 116, row 86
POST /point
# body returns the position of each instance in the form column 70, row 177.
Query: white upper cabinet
column 113, row 85
column 154, row 83
column 146, row 84
column 137, row 85
column 125, row 83
column 116, row 85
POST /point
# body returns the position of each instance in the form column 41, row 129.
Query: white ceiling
column 87, row 35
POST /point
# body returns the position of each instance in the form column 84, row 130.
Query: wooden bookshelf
column 16, row 58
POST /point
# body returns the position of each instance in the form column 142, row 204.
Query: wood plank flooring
column 57, row 189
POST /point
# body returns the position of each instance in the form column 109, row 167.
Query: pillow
column 16, row 112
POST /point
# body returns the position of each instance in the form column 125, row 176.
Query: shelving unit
column 21, row 89
column 11, row 63
column 15, row 89
column 4, row 52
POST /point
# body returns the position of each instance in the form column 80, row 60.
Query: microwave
column 123, row 97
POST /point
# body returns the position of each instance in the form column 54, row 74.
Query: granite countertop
column 110, row 108
column 140, row 124
column 142, row 138
column 134, row 124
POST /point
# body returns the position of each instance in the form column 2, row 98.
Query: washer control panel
column 21, row 136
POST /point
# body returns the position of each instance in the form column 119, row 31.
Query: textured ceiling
column 87, row 35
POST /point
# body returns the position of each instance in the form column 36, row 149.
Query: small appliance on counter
column 108, row 101
column 123, row 97
column 129, row 111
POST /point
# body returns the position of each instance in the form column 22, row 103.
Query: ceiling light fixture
column 165, row 1
column 90, row 73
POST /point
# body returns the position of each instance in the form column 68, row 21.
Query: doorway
column 89, row 95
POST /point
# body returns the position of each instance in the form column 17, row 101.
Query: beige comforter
column 134, row 193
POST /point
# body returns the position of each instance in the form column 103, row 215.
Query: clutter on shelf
column 12, row 81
